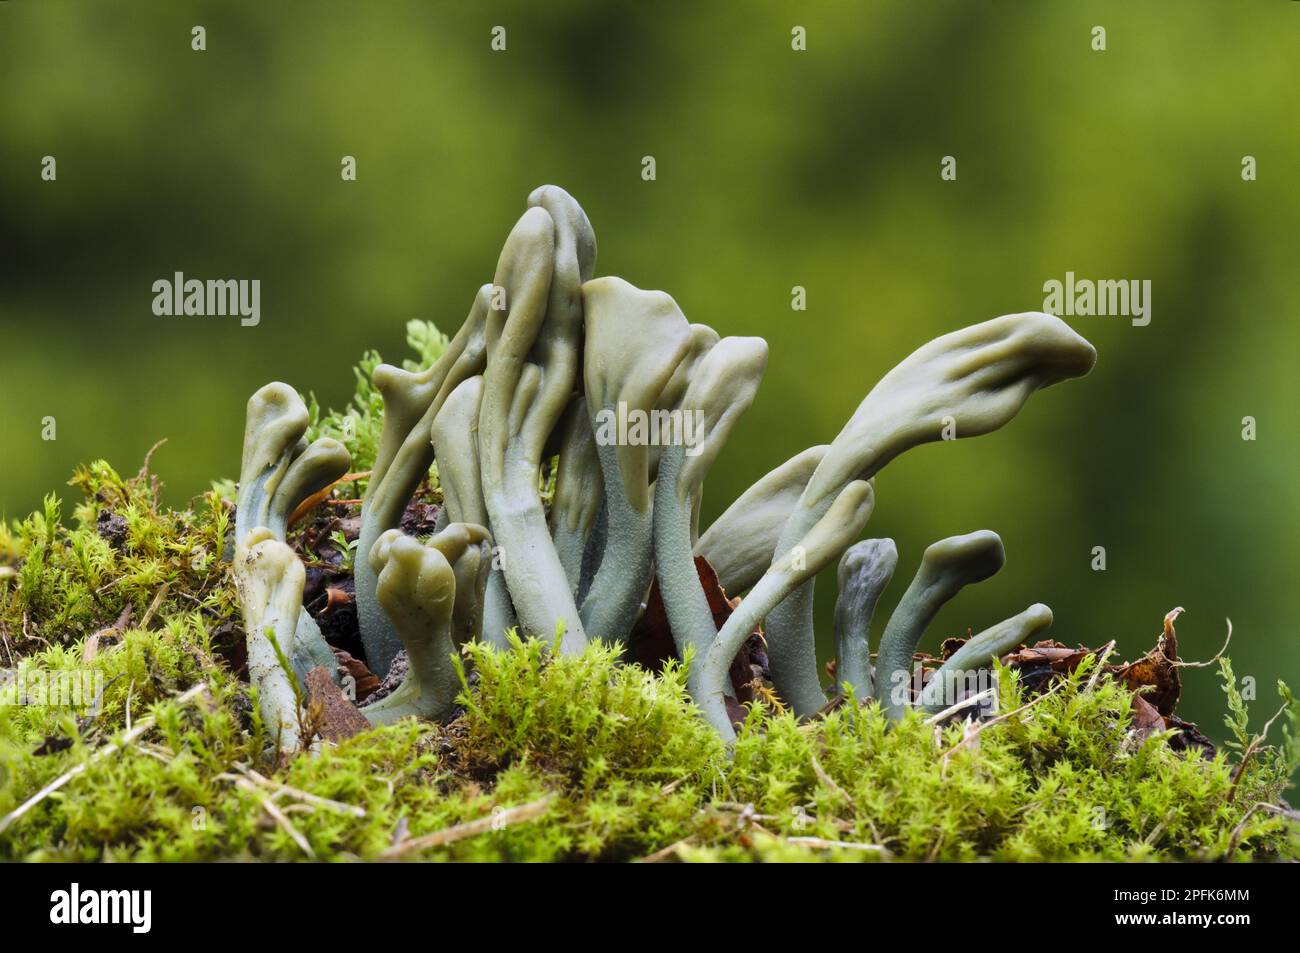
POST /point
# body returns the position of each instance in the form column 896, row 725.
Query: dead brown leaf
column 652, row 639
column 1146, row 720
column 652, row 636
column 337, row 717
column 1156, row 670
column 367, row 682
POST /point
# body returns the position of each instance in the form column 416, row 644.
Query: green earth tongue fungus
column 947, row 567
column 829, row 537
column 703, row 340
column 551, row 359
column 622, row 381
column 403, row 458
column 274, row 424
column 720, row 391
column 965, row 383
column 740, row 542
column 532, row 364
column 980, row 651
column 322, row 463
column 865, row 571
column 419, row 590
column 269, row 578
column 579, row 491
column 278, row 472
column 454, row 437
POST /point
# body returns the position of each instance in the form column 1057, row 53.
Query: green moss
column 122, row 549
column 586, row 717
column 630, row 770
column 616, row 760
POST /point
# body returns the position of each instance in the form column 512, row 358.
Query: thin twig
column 934, row 851
column 106, row 751
column 91, row 647
column 829, row 782
column 309, row 504
column 1217, row 655
column 819, row 843
column 1101, row 665
column 746, row 811
column 1158, row 831
column 664, row 853
column 670, row 787
column 165, row 755
column 28, row 634
column 964, row 703
column 296, row 794
column 129, row 690
column 993, row 721
column 494, row 822
column 144, row 467
column 1235, row 840
column 278, row 816
column 159, row 596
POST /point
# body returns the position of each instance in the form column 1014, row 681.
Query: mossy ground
column 609, row 761
column 621, row 768
column 629, row 768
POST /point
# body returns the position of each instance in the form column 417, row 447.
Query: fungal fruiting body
column 551, row 363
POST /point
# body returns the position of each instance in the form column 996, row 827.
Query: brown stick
column 495, row 822
column 313, row 501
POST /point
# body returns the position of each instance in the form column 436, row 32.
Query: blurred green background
column 775, row 168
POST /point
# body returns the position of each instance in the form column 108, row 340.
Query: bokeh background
column 775, row 168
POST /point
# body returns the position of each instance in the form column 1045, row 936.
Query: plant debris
column 1153, row 679
column 339, row 718
column 653, row 645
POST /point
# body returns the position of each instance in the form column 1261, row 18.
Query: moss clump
column 60, row 583
column 618, row 766
column 585, row 717
column 1065, row 779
